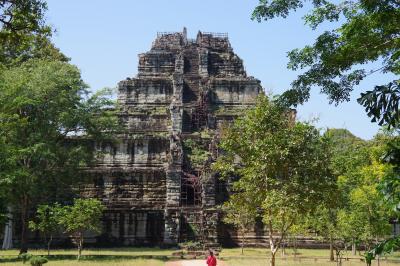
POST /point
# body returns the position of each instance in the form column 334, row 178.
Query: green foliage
column 390, row 184
column 24, row 34
column 356, row 213
column 390, row 187
column 44, row 108
column 325, row 223
column 46, row 222
column 239, row 212
column 46, row 219
column 38, row 260
column 382, row 104
column 27, row 15
column 366, row 217
column 282, row 165
column 382, row 248
column 195, row 153
column 190, row 245
column 348, row 151
column 369, row 32
column 83, row 215
column 25, row 257
column 206, row 134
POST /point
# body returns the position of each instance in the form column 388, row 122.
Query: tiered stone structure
column 154, row 177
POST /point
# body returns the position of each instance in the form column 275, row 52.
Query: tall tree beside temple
column 21, row 17
column 369, row 32
column 44, row 106
column 282, row 167
column 24, row 33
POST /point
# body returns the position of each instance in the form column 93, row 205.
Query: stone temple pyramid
column 155, row 176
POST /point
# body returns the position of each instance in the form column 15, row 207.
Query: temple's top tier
column 210, row 54
column 178, row 40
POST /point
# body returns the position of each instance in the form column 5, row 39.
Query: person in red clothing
column 211, row 259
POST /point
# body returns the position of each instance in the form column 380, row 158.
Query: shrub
column 190, row 245
column 25, row 257
column 38, row 260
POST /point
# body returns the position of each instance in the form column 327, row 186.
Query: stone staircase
column 191, row 60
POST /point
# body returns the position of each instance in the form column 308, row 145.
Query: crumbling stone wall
column 184, row 92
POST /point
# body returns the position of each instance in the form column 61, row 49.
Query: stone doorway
column 155, row 228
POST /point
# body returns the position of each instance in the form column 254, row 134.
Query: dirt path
column 191, row 263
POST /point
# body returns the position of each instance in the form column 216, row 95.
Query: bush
column 190, row 245
column 25, row 257
column 38, row 261
column 34, row 260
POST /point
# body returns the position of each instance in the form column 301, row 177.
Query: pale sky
column 103, row 38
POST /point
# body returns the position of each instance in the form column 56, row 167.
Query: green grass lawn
column 93, row 251
column 289, row 253
column 116, row 262
column 91, row 257
column 232, row 257
column 304, row 257
column 301, row 262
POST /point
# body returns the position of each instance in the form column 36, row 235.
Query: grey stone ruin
column 155, row 177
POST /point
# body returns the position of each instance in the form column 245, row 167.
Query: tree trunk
column 80, row 244
column 272, row 244
column 48, row 245
column 272, row 260
column 242, row 241
column 338, row 257
column 332, row 255
column 24, row 221
column 353, row 248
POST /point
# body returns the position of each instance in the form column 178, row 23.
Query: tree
column 48, row 123
column 368, row 214
column 365, row 219
column 355, row 213
column 281, row 165
column 359, row 214
column 83, row 215
column 24, row 33
column 350, row 154
column 325, row 223
column 25, row 15
column 46, row 222
column 239, row 212
column 390, row 184
column 370, row 32
column 390, row 187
